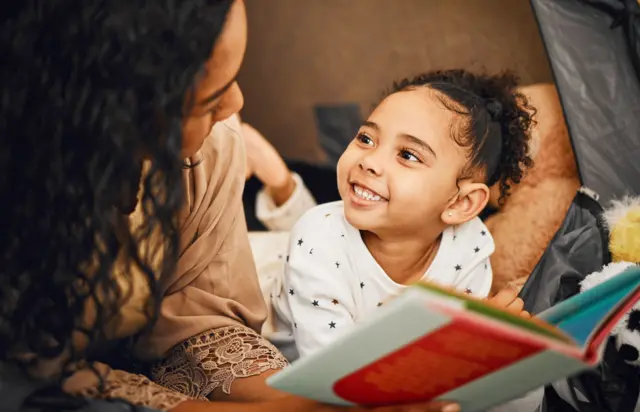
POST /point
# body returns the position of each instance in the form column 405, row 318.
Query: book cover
column 431, row 343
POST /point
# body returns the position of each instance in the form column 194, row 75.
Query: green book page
column 583, row 315
column 628, row 280
column 485, row 309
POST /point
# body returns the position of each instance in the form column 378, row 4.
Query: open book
column 431, row 343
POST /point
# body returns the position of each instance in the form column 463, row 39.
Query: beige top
column 215, row 283
column 208, row 330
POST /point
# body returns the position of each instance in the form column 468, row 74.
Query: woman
column 123, row 225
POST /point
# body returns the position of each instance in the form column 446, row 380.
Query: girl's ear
column 468, row 203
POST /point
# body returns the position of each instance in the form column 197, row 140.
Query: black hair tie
column 494, row 107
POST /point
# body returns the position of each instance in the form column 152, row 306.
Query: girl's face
column 399, row 174
column 217, row 94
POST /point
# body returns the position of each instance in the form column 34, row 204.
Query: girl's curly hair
column 497, row 121
column 88, row 89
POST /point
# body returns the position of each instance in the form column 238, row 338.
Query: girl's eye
column 407, row 155
column 363, row 138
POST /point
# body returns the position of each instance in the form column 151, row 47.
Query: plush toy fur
column 628, row 337
column 537, row 206
column 623, row 222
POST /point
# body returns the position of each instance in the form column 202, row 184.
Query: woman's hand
column 508, row 299
column 252, row 394
column 264, row 161
column 295, row 404
column 423, row 407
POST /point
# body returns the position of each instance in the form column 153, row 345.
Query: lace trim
column 137, row 390
column 215, row 359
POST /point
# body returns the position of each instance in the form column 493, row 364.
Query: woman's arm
column 138, row 390
column 228, row 363
column 294, row 404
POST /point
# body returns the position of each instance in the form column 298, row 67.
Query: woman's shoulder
column 224, row 135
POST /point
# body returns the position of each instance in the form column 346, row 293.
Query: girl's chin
column 360, row 219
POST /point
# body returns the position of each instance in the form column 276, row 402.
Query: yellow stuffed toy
column 623, row 222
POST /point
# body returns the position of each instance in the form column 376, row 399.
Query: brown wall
column 305, row 52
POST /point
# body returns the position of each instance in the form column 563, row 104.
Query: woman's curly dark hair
column 496, row 125
column 88, row 89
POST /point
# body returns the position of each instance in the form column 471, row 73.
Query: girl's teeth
column 365, row 194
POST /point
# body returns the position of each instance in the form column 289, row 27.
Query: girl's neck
column 404, row 259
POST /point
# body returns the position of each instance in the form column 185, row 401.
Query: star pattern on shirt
column 316, row 303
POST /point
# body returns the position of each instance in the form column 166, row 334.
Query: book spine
column 515, row 332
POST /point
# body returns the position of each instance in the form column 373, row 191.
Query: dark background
column 304, row 53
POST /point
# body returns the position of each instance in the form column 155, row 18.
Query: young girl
column 412, row 183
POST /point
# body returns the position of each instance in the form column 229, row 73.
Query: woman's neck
column 404, row 259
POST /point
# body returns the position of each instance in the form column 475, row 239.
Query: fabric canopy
column 593, row 50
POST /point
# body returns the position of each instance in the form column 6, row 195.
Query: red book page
column 450, row 357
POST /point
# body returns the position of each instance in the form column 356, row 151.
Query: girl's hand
column 264, row 161
column 508, row 299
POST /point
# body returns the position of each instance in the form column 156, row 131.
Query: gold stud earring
column 450, row 214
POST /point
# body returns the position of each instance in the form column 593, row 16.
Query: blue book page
column 582, row 314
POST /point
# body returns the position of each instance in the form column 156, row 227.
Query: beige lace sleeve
column 215, row 359
column 135, row 389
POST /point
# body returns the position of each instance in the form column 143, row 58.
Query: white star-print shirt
column 332, row 281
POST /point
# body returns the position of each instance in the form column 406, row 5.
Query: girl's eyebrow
column 405, row 136
column 372, row 125
column 424, row 145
